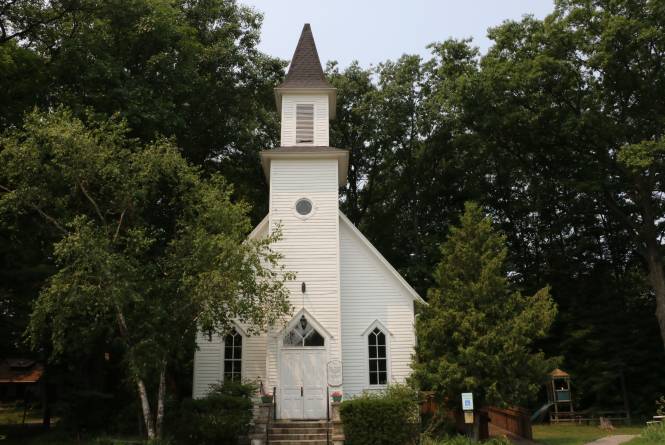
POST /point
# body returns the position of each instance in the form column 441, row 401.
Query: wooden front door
column 302, row 383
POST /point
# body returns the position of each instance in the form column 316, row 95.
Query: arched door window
column 303, row 334
column 378, row 362
column 233, row 356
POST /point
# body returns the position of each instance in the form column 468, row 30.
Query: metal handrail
column 274, row 403
column 328, row 414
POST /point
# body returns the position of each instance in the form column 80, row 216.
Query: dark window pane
column 314, row 339
column 228, row 366
column 382, row 351
column 382, row 365
column 383, row 378
column 237, row 367
column 376, row 331
column 372, row 366
column 373, row 380
column 382, row 339
column 372, row 351
column 238, row 340
column 372, row 339
column 237, row 352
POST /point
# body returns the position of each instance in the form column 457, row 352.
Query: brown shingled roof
column 305, row 70
column 20, row 371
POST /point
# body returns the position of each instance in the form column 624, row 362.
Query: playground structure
column 559, row 397
column 560, row 407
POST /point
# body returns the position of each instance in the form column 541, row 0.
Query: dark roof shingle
column 305, row 70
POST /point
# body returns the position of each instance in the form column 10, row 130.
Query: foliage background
column 528, row 130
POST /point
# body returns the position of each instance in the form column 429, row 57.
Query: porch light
column 303, row 287
column 303, row 321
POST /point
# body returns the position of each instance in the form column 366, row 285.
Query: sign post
column 467, row 406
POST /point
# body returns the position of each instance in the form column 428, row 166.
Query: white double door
column 302, row 383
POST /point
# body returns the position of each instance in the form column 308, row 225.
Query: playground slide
column 540, row 413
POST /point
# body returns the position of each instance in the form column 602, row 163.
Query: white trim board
column 411, row 291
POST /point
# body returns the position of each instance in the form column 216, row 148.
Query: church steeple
column 305, row 70
column 306, row 82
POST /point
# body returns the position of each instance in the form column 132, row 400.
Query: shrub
column 86, row 411
column 462, row 440
column 219, row 418
column 660, row 406
column 387, row 418
column 654, row 433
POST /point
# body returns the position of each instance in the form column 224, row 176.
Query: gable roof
column 20, row 371
column 411, row 291
column 262, row 229
column 305, row 70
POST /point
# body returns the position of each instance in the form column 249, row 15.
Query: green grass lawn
column 31, row 435
column 642, row 441
column 11, row 414
column 577, row 434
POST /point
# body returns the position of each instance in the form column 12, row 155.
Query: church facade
column 352, row 327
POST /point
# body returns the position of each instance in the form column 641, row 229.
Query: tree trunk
column 161, row 395
column 657, row 278
column 145, row 406
column 143, row 393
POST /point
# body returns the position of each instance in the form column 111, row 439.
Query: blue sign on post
column 467, row 401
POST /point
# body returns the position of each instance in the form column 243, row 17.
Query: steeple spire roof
column 305, row 70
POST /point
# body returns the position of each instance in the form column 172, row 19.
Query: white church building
column 352, row 327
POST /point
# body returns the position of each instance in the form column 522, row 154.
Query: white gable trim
column 296, row 318
column 376, row 324
column 259, row 228
column 381, row 259
column 238, row 327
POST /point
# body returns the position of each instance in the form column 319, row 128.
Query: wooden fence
column 514, row 420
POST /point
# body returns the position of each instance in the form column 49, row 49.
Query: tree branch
column 42, row 213
column 92, row 201
column 117, row 229
column 611, row 203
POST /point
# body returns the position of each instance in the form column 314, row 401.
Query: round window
column 304, row 206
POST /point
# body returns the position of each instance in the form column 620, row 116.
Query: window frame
column 279, row 334
column 376, row 324
column 297, row 121
column 241, row 360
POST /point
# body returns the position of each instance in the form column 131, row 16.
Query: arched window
column 303, row 334
column 378, row 362
column 233, row 356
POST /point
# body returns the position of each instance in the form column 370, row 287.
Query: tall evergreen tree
column 477, row 333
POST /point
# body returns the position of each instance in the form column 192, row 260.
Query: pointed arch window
column 233, row 356
column 303, row 334
column 378, row 361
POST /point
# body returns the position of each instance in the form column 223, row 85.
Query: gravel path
column 613, row 440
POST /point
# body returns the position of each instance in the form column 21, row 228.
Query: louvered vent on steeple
column 305, row 100
column 305, row 124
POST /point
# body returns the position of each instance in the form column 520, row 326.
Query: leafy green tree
column 477, row 333
column 184, row 69
column 146, row 251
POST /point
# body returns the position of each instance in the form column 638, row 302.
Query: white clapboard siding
column 209, row 356
column 370, row 292
column 207, row 363
column 289, row 118
column 310, row 247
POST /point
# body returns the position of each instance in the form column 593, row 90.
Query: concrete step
column 298, row 430
column 299, row 423
column 299, row 442
column 291, row 436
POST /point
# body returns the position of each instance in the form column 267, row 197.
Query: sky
column 372, row 31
